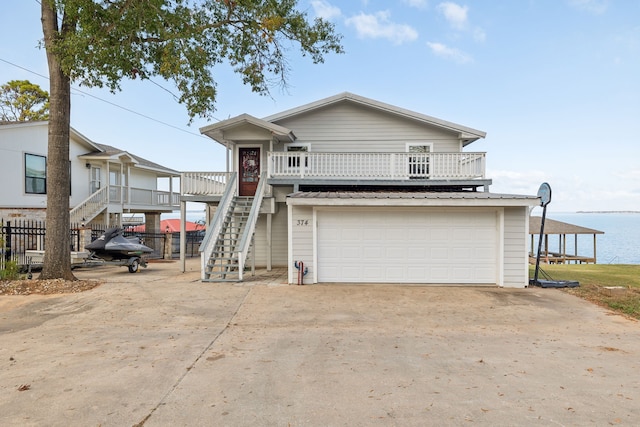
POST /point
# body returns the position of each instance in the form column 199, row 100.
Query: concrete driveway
column 160, row 348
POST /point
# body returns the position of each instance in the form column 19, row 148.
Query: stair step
column 222, row 265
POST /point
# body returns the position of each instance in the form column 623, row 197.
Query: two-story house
column 106, row 182
column 358, row 191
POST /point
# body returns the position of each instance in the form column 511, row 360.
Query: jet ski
column 113, row 246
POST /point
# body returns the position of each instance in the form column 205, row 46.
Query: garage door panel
column 486, row 254
column 406, row 246
column 395, row 255
column 439, row 254
column 439, row 275
column 462, row 274
column 484, row 274
column 417, row 254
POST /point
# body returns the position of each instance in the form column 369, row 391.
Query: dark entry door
column 249, row 170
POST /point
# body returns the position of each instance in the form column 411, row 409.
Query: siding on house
column 516, row 220
column 302, row 218
column 347, row 127
column 278, row 238
column 143, row 180
column 15, row 142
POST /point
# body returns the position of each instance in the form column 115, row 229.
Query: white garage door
column 407, row 246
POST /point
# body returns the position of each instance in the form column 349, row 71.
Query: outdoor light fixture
column 87, row 165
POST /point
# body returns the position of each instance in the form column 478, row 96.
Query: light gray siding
column 278, row 238
column 302, row 240
column 347, row 127
column 515, row 247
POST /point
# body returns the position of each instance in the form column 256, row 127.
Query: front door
column 249, row 170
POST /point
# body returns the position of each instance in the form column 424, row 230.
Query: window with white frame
column 419, row 159
column 294, row 161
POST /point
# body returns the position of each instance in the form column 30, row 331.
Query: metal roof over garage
column 354, row 198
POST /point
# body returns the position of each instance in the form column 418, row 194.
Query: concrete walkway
column 160, row 348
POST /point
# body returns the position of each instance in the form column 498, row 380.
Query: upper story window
column 294, row 161
column 419, row 159
column 35, row 174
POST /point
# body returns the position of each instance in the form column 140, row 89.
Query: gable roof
column 216, row 131
column 74, row 134
column 99, row 151
column 558, row 227
column 108, row 152
column 467, row 134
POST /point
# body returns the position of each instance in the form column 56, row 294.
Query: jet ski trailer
column 115, row 249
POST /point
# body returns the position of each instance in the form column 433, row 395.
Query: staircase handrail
column 81, row 212
column 245, row 242
column 209, row 240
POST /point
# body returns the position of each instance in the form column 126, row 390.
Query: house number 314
column 302, row 222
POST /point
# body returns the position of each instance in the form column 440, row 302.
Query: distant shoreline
column 609, row 212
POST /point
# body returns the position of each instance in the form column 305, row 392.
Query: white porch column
column 269, row 240
column 183, row 235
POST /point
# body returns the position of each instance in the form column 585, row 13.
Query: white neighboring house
column 106, row 182
column 358, row 191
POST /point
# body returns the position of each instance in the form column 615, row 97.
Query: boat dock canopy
column 562, row 229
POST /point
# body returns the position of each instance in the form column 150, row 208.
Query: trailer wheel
column 134, row 265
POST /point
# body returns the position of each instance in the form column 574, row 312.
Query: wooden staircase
column 223, row 264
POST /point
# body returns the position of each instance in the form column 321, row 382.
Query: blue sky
column 554, row 83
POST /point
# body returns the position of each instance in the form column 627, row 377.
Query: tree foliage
column 101, row 42
column 21, row 100
column 181, row 41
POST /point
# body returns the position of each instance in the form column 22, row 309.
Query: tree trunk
column 57, row 257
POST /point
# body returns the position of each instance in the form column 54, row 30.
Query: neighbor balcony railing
column 376, row 166
column 133, row 196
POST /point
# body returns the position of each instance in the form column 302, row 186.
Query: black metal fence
column 19, row 236
column 16, row 237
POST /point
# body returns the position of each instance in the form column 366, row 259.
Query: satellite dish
column 544, row 192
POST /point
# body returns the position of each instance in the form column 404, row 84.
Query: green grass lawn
column 594, row 277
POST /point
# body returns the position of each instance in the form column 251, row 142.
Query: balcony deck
column 317, row 171
column 376, row 166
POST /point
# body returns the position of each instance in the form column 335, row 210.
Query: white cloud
column 323, row 9
column 571, row 193
column 378, row 25
column 420, row 4
column 597, row 7
column 455, row 14
column 517, row 182
column 479, row 35
column 447, row 52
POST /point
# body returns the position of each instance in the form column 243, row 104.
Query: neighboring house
column 106, row 182
column 362, row 192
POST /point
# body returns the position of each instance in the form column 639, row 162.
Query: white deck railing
column 376, row 166
column 214, row 228
column 145, row 197
column 247, row 235
column 203, row 183
column 119, row 195
column 90, row 207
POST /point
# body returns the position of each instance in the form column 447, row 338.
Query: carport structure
column 562, row 229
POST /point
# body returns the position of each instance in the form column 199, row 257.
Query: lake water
column 620, row 243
